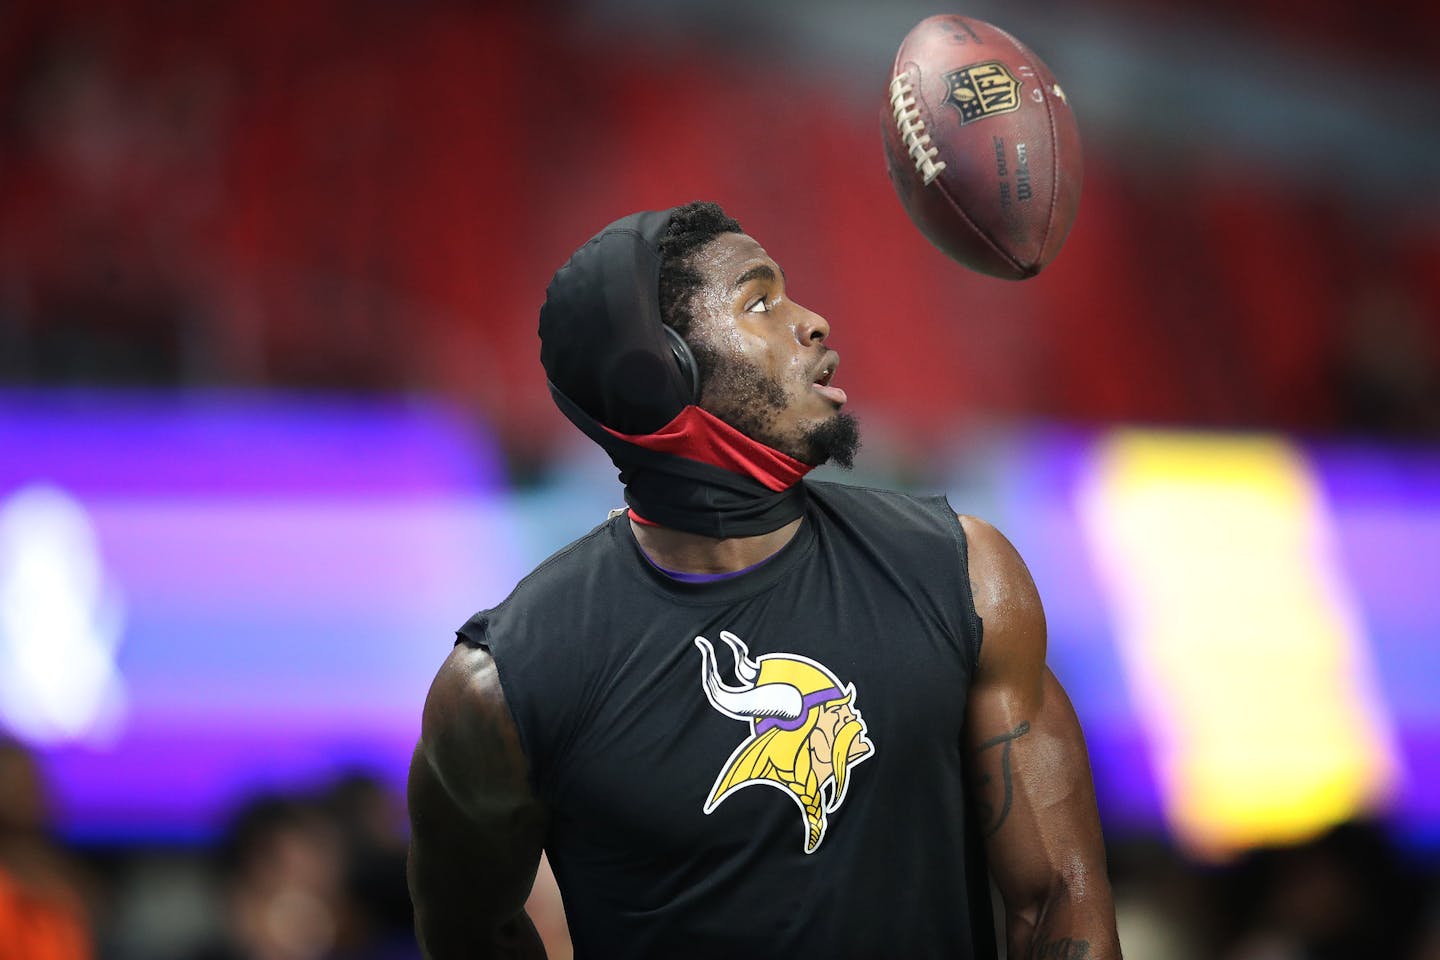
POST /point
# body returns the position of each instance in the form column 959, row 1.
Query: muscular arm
column 476, row 828
column 1030, row 772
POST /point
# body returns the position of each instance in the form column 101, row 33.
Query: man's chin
column 835, row 439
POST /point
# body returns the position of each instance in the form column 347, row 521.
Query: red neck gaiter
column 699, row 435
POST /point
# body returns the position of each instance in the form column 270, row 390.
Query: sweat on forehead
column 730, row 255
column 728, row 265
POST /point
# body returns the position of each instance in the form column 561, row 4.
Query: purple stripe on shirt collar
column 703, row 577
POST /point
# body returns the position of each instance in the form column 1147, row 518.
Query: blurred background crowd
column 272, row 424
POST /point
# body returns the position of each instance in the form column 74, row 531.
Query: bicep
column 489, row 862
column 1031, row 786
column 1028, row 767
column 476, row 827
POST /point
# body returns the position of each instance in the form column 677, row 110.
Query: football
column 982, row 146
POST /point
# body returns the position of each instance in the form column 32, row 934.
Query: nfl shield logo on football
column 983, row 90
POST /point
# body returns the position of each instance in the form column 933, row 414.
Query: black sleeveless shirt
column 787, row 785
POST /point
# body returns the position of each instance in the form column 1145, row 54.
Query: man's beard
column 751, row 402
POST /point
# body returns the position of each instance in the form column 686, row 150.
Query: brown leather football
column 982, row 146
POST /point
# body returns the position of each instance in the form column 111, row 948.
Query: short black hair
column 691, row 227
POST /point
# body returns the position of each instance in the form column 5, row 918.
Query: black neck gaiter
column 686, row 494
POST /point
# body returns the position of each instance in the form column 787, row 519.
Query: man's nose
column 811, row 328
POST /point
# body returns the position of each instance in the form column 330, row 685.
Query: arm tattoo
column 1065, row 949
column 990, row 819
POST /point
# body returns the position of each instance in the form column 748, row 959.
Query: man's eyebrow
column 761, row 271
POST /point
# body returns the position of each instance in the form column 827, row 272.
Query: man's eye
column 759, row 306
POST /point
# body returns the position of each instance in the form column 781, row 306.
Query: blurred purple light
column 161, row 444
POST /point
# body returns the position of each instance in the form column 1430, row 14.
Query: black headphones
column 689, row 369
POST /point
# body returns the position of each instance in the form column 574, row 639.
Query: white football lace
column 912, row 129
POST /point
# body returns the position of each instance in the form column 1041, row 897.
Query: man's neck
column 683, row 552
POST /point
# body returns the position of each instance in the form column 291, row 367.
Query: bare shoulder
column 469, row 737
column 1005, row 597
column 998, row 574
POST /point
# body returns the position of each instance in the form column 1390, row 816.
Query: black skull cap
column 602, row 341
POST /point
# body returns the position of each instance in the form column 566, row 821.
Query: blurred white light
column 60, row 623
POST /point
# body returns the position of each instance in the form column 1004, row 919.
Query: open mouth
column 824, row 375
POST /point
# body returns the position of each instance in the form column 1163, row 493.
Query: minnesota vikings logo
column 805, row 733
